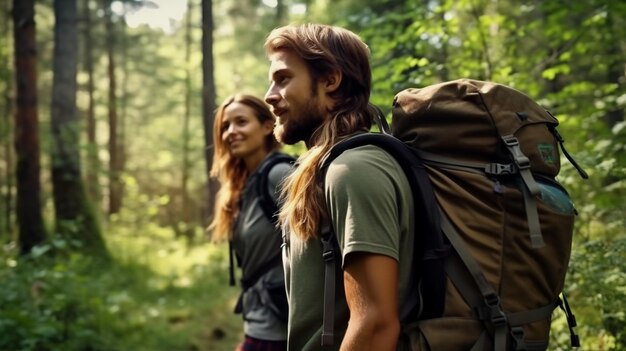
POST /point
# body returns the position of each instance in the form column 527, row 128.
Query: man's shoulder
column 367, row 164
column 365, row 156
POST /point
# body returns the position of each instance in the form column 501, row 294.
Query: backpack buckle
column 499, row 168
column 328, row 251
column 328, row 255
column 517, row 333
column 496, row 315
column 512, row 144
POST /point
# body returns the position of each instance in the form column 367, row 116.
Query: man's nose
column 272, row 96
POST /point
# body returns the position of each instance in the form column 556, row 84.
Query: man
column 320, row 82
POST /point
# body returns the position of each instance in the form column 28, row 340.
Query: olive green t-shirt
column 370, row 205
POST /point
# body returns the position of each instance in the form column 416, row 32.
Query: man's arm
column 371, row 286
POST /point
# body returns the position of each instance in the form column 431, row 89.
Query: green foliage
column 597, row 284
column 47, row 305
column 158, row 295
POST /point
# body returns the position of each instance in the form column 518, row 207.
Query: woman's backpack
column 275, row 294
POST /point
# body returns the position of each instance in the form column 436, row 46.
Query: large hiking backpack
column 481, row 159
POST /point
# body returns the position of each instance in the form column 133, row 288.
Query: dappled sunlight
column 104, row 248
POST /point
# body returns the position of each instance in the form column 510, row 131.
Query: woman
column 244, row 144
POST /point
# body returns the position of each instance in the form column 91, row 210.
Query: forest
column 106, row 110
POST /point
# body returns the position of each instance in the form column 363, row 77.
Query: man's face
column 297, row 101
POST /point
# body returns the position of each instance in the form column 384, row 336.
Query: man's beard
column 300, row 127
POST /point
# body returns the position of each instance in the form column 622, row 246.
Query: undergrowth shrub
column 156, row 294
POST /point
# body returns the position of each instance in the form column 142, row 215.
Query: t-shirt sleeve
column 361, row 192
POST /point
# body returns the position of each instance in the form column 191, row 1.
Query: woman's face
column 242, row 132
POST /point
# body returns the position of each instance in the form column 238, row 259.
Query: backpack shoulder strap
column 429, row 244
column 269, row 206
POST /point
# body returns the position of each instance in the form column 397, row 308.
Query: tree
column 186, row 230
column 74, row 216
column 115, row 185
column 208, row 98
column 6, row 137
column 29, row 217
column 93, row 163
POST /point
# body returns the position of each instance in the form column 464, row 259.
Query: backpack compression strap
column 530, row 189
column 561, row 141
column 483, row 300
column 248, row 283
column 571, row 321
column 379, row 119
column 492, row 310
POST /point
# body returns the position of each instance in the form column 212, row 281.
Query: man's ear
column 333, row 80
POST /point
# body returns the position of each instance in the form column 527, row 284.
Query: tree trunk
column 6, row 186
column 74, row 216
column 615, row 69
column 208, row 101
column 280, row 12
column 185, row 217
column 614, row 75
column 115, row 201
column 122, row 122
column 28, row 207
column 93, row 163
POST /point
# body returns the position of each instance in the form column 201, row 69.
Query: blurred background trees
column 106, row 113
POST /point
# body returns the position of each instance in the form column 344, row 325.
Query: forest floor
column 192, row 279
column 158, row 292
column 221, row 329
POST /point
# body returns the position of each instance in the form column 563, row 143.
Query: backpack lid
column 465, row 119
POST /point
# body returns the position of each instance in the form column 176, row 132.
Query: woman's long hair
column 325, row 49
column 231, row 171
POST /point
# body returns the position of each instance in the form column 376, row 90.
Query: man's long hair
column 231, row 171
column 325, row 49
